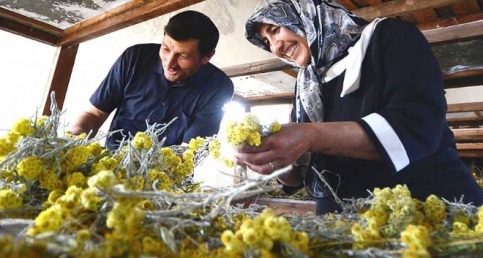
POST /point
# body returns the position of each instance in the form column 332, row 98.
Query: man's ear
column 208, row 56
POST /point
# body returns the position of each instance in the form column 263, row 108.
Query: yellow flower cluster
column 248, row 129
column 196, row 143
column 75, row 157
column 393, row 213
column 262, row 233
column 61, row 209
column 7, row 143
column 390, row 212
column 9, row 199
column 30, row 167
column 142, row 140
column 418, row 240
column 126, row 216
column 214, row 148
column 23, row 126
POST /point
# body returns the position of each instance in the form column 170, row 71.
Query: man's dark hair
column 193, row 25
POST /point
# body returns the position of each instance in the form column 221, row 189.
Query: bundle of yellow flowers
column 79, row 199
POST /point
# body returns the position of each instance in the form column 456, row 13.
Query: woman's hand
column 284, row 147
column 276, row 151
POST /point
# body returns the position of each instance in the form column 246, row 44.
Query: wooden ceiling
column 441, row 21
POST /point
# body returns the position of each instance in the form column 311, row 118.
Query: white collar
column 353, row 61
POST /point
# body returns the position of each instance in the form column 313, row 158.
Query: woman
column 369, row 107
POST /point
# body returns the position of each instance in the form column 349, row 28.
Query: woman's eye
column 267, row 43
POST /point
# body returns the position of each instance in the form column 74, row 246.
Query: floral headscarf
column 330, row 30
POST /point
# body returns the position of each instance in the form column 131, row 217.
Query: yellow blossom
column 23, row 126
column 75, row 157
column 48, row 220
column 104, row 179
column 196, row 143
column 9, row 199
column 141, row 141
column 30, row 167
column 77, row 178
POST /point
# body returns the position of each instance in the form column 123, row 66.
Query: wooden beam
column 454, row 33
column 28, row 27
column 400, row 8
column 469, row 134
column 131, row 13
column 470, row 150
column 463, row 79
column 266, row 66
column 280, row 205
column 465, row 107
column 450, row 21
column 285, row 98
column 60, row 77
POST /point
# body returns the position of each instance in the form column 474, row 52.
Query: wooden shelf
column 280, row 205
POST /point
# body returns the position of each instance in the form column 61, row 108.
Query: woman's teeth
column 290, row 51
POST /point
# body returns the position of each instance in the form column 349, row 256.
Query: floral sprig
column 140, row 200
column 249, row 130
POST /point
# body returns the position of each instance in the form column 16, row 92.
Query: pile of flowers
column 66, row 196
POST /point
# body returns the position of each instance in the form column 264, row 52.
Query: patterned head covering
column 330, row 29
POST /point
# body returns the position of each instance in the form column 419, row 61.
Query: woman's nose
column 276, row 47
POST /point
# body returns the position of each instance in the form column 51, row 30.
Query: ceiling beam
column 463, row 79
column 131, row 13
column 28, row 27
column 274, row 99
column 265, row 66
column 443, row 22
column 454, row 33
column 400, row 7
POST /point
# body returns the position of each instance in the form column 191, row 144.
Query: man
column 179, row 82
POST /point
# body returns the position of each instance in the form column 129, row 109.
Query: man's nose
column 170, row 61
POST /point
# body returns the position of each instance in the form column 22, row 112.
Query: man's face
column 181, row 59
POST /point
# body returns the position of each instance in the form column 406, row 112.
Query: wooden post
column 60, row 77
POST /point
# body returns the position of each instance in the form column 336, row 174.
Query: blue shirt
column 139, row 92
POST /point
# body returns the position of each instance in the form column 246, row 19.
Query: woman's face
column 284, row 43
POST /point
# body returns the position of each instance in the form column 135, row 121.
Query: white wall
column 25, row 67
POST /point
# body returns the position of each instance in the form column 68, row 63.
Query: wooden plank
column 463, row 78
column 400, row 7
column 465, row 8
column 468, row 134
column 28, row 27
column 292, row 72
column 470, row 153
column 465, row 107
column 60, row 77
column 265, row 66
column 469, row 146
column 423, row 17
column 285, row 98
column 282, row 206
column 131, row 13
column 470, row 150
column 454, row 33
